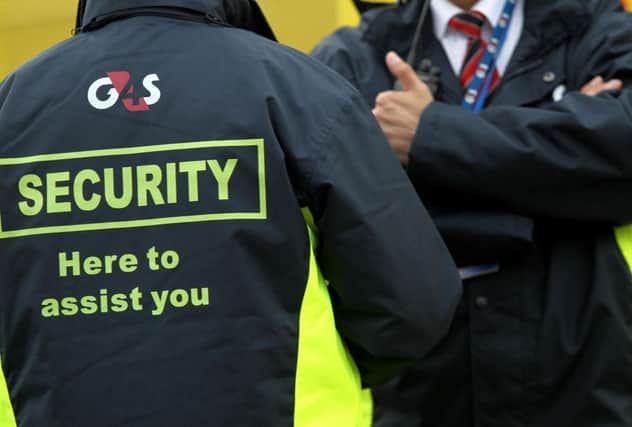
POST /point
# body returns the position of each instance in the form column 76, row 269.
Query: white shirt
column 455, row 43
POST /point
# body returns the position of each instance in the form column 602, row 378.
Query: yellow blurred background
column 27, row 27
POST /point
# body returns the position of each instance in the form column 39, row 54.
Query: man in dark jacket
column 529, row 195
column 165, row 181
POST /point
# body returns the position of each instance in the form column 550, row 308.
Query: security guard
column 168, row 183
column 526, row 179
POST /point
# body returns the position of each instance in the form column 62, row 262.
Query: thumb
column 402, row 71
column 615, row 84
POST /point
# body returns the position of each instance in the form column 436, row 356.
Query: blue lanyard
column 478, row 89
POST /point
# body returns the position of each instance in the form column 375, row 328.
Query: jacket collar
column 96, row 8
column 549, row 22
column 245, row 14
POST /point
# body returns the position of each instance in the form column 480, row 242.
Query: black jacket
column 157, row 269
column 538, row 186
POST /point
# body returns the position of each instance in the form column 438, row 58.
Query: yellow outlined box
column 260, row 215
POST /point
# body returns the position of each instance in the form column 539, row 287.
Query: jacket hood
column 364, row 5
column 551, row 21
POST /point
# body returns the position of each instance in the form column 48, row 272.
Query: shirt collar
column 443, row 10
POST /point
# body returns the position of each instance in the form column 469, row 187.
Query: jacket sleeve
column 355, row 59
column 601, row 6
column 334, row 52
column 572, row 160
column 393, row 283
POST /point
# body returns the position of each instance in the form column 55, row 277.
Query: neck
column 464, row 4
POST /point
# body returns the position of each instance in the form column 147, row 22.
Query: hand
column 399, row 112
column 598, row 85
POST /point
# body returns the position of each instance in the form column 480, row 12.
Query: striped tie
column 470, row 24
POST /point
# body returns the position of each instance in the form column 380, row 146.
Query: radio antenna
column 416, row 44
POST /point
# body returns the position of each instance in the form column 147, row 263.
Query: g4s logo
column 121, row 88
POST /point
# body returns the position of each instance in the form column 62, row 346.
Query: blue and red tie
column 471, row 24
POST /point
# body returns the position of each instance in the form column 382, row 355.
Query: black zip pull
column 212, row 19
